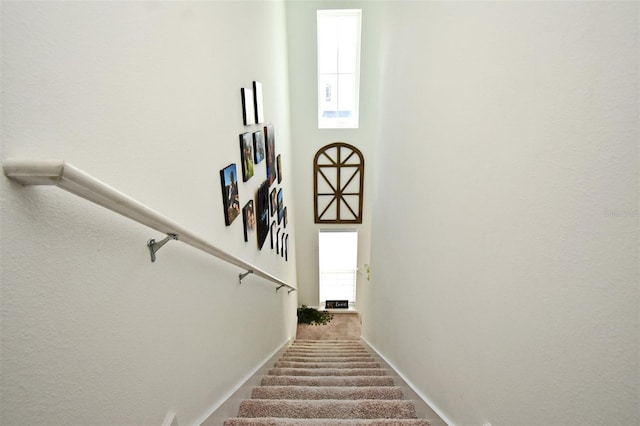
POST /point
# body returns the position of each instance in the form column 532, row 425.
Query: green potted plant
column 307, row 315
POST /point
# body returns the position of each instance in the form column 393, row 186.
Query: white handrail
column 74, row 180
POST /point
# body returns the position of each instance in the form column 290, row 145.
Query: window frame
column 346, row 171
column 338, row 122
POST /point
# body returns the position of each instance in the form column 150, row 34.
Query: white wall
column 505, row 237
column 307, row 139
column 146, row 97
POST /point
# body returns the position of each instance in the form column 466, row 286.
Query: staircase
column 326, row 382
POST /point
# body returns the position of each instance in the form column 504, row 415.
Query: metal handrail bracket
column 75, row 181
column 243, row 275
column 154, row 245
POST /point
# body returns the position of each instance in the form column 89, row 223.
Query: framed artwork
column 279, row 167
column 262, row 213
column 248, row 114
column 273, row 202
column 285, row 217
column 246, row 153
column 338, row 184
column 230, row 195
column 270, row 143
column 282, row 246
column 278, row 241
column 280, row 207
column 286, row 248
column 258, row 146
column 273, row 234
column 257, row 97
column 249, row 218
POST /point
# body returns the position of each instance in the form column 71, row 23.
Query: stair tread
column 272, row 421
column 328, row 392
column 311, row 352
column 328, row 342
column 328, row 408
column 327, row 380
column 328, row 383
column 323, row 364
column 328, row 372
column 323, row 358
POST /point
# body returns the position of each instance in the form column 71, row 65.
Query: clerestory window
column 338, row 33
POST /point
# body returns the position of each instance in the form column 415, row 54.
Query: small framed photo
column 246, row 152
column 257, row 97
column 230, row 195
column 274, row 202
column 282, row 245
column 262, row 213
column 249, row 218
column 286, row 248
column 279, row 167
column 248, row 114
column 270, row 144
column 278, row 241
column 280, row 207
column 258, row 146
column 273, row 234
column 285, row 217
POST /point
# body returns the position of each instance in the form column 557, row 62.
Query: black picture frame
column 249, row 219
column 230, row 194
column 262, row 213
column 248, row 114
column 278, row 241
column 258, row 146
column 273, row 234
column 285, row 220
column 273, row 201
column 286, row 248
column 246, row 154
column 282, row 245
column 280, row 206
column 270, row 150
column 279, row 167
column 257, row 104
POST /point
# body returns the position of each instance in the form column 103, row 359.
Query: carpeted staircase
column 326, row 382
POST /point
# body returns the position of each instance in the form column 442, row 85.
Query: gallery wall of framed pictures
column 263, row 208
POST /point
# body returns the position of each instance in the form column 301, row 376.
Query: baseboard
column 228, row 406
column 424, row 399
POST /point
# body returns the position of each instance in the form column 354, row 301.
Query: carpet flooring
column 345, row 325
column 326, row 382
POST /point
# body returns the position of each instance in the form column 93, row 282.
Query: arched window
column 338, row 182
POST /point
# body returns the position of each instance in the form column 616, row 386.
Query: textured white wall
column 505, row 236
column 308, row 139
column 146, row 97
